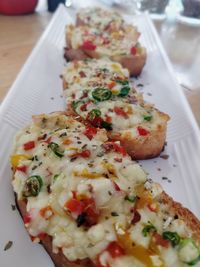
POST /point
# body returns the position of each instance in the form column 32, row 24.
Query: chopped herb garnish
column 148, row 228
column 63, row 134
column 147, row 117
column 55, row 148
column 164, row 156
column 8, row 245
column 55, row 177
column 81, row 219
column 114, row 213
column 13, row 207
column 32, row 186
column 173, row 237
column 130, row 198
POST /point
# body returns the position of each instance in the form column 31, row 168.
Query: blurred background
column 177, row 22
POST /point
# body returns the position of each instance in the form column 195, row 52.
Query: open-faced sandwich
column 99, row 91
column 107, row 36
column 89, row 204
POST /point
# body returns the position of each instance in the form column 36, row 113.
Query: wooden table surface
column 19, row 34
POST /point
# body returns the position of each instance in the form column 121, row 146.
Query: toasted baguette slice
column 99, row 18
column 96, row 208
column 119, row 45
column 139, row 126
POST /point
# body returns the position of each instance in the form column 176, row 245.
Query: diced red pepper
column 152, row 207
column 90, row 132
column 133, row 50
column 91, row 211
column 119, row 111
column 48, row 141
column 96, row 121
column 88, row 45
column 114, row 249
column 85, row 153
column 106, row 41
column 75, row 206
column 136, row 217
column 87, row 206
column 160, row 241
column 42, row 137
column 111, row 85
column 42, row 236
column 27, row 218
column 108, row 118
column 120, row 149
column 118, row 159
column 83, row 107
column 84, row 95
column 142, row 131
column 29, row 145
column 82, row 74
column 112, row 145
column 22, row 168
column 116, row 186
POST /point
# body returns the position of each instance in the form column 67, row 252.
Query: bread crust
column 144, row 147
column 79, row 21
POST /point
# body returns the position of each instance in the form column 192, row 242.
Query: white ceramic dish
column 38, row 89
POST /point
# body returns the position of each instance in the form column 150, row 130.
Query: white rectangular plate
column 38, row 89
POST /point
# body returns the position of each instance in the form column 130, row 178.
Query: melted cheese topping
column 123, row 112
column 113, row 43
column 121, row 202
column 100, row 18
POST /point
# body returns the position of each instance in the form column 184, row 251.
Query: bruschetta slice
column 120, row 45
column 89, row 204
column 100, row 93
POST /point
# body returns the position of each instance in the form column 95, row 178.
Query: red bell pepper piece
column 88, row 45
column 142, row 131
column 90, row 132
column 29, row 145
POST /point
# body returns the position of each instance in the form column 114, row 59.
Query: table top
column 19, row 34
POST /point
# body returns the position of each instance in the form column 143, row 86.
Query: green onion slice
column 148, row 228
column 188, row 252
column 123, row 82
column 32, row 186
column 173, row 237
column 147, row 117
column 124, row 91
column 94, row 113
column 55, row 148
column 101, row 94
